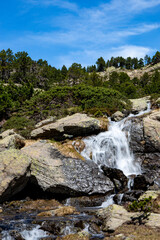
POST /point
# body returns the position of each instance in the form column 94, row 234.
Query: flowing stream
column 111, row 148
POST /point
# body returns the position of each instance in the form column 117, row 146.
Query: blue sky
column 67, row 31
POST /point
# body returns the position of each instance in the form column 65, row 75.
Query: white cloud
column 138, row 30
column 132, row 51
column 89, row 57
column 92, row 32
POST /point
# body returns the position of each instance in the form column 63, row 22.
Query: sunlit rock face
column 14, row 173
column 57, row 174
column 75, row 125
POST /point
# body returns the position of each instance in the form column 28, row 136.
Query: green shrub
column 144, row 205
column 22, row 125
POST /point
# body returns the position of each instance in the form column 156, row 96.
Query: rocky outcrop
column 14, row 173
column 139, row 104
column 152, row 131
column 145, row 133
column 76, row 125
column 57, row 174
column 145, row 143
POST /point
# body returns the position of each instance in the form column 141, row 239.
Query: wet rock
column 128, row 196
column 62, row 226
column 76, row 125
column 14, row 173
column 141, row 182
column 91, row 201
column 116, row 176
column 79, row 145
column 16, row 235
column 113, row 217
column 33, row 205
column 57, row 174
column 66, row 210
column 77, row 236
column 117, row 116
column 45, row 214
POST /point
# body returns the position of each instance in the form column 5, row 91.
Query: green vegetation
column 144, row 205
column 33, row 90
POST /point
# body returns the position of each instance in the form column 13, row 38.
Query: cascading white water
column 33, row 234
column 111, row 148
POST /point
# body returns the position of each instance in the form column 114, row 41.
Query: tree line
column 20, row 68
column 124, row 63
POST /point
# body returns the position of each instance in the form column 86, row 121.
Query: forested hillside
column 33, row 90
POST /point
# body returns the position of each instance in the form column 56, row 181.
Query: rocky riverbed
column 50, row 190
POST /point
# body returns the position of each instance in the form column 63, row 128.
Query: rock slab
column 76, row 125
column 57, row 174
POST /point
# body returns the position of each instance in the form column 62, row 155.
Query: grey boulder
column 57, row 174
column 75, row 125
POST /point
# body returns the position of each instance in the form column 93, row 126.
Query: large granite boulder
column 57, row 174
column 76, row 125
column 139, row 104
column 14, row 173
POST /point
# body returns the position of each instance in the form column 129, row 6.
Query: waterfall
column 111, row 148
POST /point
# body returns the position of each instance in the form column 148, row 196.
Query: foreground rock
column 57, row 174
column 68, row 127
column 113, row 217
column 14, row 173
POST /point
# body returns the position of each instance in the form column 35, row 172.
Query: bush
column 22, row 125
